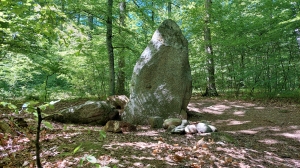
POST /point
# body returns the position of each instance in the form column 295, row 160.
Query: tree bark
column 110, row 49
column 169, row 9
column 37, row 139
column 211, row 82
column 121, row 60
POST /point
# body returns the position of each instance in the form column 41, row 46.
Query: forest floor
column 250, row 134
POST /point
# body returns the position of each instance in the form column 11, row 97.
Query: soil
column 250, row 134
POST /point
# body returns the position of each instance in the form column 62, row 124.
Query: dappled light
column 247, row 137
column 269, row 141
column 216, row 109
column 239, row 113
column 231, row 122
column 294, row 135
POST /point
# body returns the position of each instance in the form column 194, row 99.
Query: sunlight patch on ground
column 195, row 107
column 275, row 129
column 259, row 108
column 233, row 152
column 248, row 132
column 236, row 122
column 140, row 145
column 239, row 113
column 148, row 133
column 248, row 104
column 238, row 106
column 269, row 141
column 231, row 122
column 294, row 135
column 216, row 109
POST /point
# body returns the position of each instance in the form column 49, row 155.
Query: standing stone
column 161, row 83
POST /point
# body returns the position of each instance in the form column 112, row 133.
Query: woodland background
column 70, row 48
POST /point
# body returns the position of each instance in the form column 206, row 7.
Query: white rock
column 203, row 128
column 213, row 128
column 190, row 129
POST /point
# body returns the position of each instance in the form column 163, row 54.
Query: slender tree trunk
column 91, row 26
column 152, row 12
column 121, row 60
column 169, row 9
column 211, row 84
column 110, row 49
column 37, row 139
column 78, row 18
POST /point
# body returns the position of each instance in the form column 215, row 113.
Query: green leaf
column 91, row 159
column 35, row 114
column 3, row 103
column 77, row 148
column 48, row 124
column 11, row 106
column 81, row 161
column 102, row 134
column 44, row 106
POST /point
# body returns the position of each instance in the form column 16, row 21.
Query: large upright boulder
column 161, row 83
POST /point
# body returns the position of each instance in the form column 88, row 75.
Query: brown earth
column 250, row 134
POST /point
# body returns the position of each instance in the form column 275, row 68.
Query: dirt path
column 249, row 135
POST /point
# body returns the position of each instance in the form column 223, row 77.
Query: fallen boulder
column 91, row 112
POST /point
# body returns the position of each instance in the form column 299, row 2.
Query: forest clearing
column 231, row 65
column 250, row 134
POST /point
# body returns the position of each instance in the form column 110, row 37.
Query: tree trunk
column 110, row 49
column 169, row 10
column 211, row 83
column 91, row 26
column 152, row 12
column 121, row 60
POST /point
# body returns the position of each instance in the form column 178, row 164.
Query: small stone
column 213, row 128
column 203, row 128
column 190, row 129
column 178, row 130
column 156, row 122
column 170, row 128
column 118, row 126
column 171, row 121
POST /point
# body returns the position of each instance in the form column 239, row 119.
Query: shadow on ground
column 270, row 132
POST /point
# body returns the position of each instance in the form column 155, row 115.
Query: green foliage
column 77, row 148
column 10, row 106
column 58, row 48
column 102, row 134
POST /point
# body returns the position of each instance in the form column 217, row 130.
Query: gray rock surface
column 161, row 83
column 171, row 122
column 91, row 112
column 156, row 122
column 118, row 102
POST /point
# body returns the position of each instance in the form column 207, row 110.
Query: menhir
column 161, row 83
